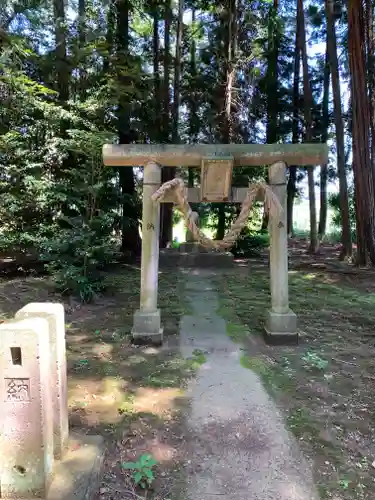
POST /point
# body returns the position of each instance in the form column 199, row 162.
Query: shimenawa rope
column 177, row 186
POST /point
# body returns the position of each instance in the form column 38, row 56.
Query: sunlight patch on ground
column 100, row 394
column 156, row 401
column 162, row 452
column 101, row 401
column 102, row 350
column 309, row 276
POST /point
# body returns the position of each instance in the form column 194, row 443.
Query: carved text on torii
column 17, row 389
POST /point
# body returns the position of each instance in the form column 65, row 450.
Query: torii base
column 147, row 328
column 192, row 247
column 194, row 255
column 281, row 329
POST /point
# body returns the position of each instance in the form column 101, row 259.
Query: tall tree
column 156, row 133
column 130, row 234
column 229, row 17
column 62, row 66
column 82, row 37
column 362, row 166
column 308, row 106
column 370, row 63
column 272, row 73
column 109, row 38
column 292, row 180
column 272, row 81
column 193, row 125
column 340, row 140
column 177, row 73
column 168, row 173
column 324, row 137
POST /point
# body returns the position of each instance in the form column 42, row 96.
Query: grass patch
column 299, row 421
column 198, row 359
column 237, row 332
column 257, row 365
column 272, row 377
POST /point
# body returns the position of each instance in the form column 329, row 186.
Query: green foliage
column 80, row 239
column 199, row 358
column 250, row 244
column 334, row 203
column 64, row 213
column 314, row 360
column 143, row 473
column 58, row 201
column 175, row 244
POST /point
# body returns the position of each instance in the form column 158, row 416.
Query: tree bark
column 292, row 180
column 324, row 168
column 166, row 214
column 371, row 72
column 339, row 125
column 177, row 74
column 308, row 101
column 272, row 83
column 156, row 133
column 226, row 128
column 272, row 74
column 362, row 166
column 130, row 241
column 62, row 66
column 82, row 43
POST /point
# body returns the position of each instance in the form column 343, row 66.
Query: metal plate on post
column 216, row 178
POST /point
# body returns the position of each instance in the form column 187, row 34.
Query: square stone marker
column 26, row 417
column 54, row 314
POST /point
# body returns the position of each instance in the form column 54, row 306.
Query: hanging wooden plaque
column 216, row 178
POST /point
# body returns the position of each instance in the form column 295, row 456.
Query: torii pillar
column 147, row 321
column 281, row 322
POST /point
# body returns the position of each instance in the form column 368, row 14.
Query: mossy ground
column 325, row 385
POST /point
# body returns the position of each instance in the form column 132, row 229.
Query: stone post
column 146, row 321
column 55, row 315
column 26, row 415
column 281, row 322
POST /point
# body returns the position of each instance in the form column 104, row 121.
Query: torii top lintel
column 190, row 155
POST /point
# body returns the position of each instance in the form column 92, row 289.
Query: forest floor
column 326, row 384
column 134, row 396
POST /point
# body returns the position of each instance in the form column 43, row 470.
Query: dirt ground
column 326, row 384
column 134, row 395
column 131, row 395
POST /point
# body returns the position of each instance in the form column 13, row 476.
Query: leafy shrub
column 143, row 474
column 250, row 244
column 58, row 201
column 334, row 202
column 81, row 241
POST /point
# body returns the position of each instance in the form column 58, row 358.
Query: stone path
column 240, row 448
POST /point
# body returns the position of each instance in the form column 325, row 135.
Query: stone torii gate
column 216, row 162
